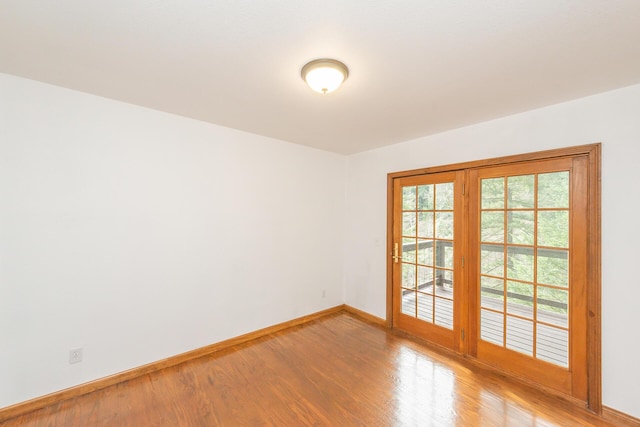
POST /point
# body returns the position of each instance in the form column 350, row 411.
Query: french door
column 527, row 256
column 493, row 260
column 426, row 261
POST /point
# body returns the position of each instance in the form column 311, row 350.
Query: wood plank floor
column 335, row 371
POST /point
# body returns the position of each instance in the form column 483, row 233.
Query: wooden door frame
column 594, row 269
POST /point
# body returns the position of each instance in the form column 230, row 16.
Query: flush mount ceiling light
column 324, row 75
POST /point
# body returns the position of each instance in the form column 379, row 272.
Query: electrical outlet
column 75, row 355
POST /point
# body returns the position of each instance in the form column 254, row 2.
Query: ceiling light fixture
column 324, row 75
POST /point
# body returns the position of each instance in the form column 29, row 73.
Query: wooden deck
column 551, row 344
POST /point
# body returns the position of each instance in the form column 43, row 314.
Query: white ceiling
column 417, row 67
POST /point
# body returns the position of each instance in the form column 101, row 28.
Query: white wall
column 139, row 235
column 612, row 118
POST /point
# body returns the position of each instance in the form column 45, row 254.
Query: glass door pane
column 427, row 242
column 524, row 253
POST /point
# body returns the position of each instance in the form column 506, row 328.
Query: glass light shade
column 324, row 75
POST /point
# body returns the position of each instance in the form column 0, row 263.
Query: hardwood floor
column 335, row 371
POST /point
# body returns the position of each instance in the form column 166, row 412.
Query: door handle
column 396, row 257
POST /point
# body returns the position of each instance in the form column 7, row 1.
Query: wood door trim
column 594, row 293
column 473, row 252
column 579, row 250
column 588, row 149
column 390, row 194
column 594, row 286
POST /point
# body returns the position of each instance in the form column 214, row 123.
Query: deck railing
column 440, row 281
